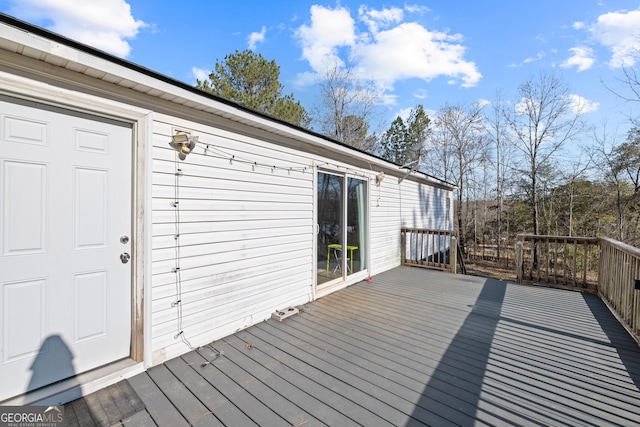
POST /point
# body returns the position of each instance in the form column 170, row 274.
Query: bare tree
column 346, row 107
column 545, row 117
column 457, row 143
column 502, row 160
column 630, row 82
column 603, row 157
column 571, row 178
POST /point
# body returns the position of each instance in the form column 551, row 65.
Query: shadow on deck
column 413, row 347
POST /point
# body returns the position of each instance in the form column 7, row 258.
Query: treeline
column 529, row 164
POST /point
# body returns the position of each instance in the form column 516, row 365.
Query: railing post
column 454, row 254
column 403, row 246
column 602, row 267
column 519, row 261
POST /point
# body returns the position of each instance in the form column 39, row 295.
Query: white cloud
column 376, row 19
column 200, row 73
column 578, row 25
column 305, row 79
column 388, row 99
column 385, row 49
column 411, row 51
column 582, row 58
column 481, row 103
column 620, row 32
column 104, row 24
column 525, row 105
column 330, row 30
column 421, row 94
column 416, row 8
column 581, row 105
column 536, row 58
column 404, row 113
column 577, row 104
column 255, row 38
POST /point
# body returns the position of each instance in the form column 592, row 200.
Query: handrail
column 429, row 248
column 606, row 266
column 619, row 282
column 567, row 261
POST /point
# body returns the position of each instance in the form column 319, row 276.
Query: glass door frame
column 326, row 277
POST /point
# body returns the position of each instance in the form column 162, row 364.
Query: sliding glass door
column 342, row 226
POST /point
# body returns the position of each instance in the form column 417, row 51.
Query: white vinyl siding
column 245, row 236
column 385, row 225
column 247, row 231
column 393, row 206
column 424, row 206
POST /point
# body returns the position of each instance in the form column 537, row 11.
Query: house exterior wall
column 425, row 206
column 240, row 242
column 245, row 234
column 385, row 225
column 246, row 230
column 408, row 204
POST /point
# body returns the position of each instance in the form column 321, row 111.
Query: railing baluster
column 588, row 253
column 574, row 273
column 426, row 248
column 558, row 260
column 547, row 263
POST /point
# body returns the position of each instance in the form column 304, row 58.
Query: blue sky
column 424, row 52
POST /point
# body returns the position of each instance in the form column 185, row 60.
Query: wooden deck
column 413, row 347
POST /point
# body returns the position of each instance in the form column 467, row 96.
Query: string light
column 177, row 304
column 210, row 150
column 346, row 168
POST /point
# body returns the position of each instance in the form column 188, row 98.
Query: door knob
column 125, row 257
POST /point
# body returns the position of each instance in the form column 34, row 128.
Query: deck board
column 188, row 405
column 188, row 371
column 408, row 369
column 374, row 375
column 241, row 397
column 77, row 414
column 287, row 379
column 139, row 419
column 115, row 404
column 413, row 347
column 348, row 389
column 160, row 408
column 313, row 380
column 264, row 386
column 347, row 364
column 299, row 406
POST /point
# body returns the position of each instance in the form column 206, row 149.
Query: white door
column 65, row 220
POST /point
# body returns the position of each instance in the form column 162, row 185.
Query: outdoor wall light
column 379, row 178
column 183, row 143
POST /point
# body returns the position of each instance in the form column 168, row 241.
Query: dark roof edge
column 42, row 32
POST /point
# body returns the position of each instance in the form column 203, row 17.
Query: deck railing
column 619, row 281
column 429, row 248
column 602, row 265
column 558, row 260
